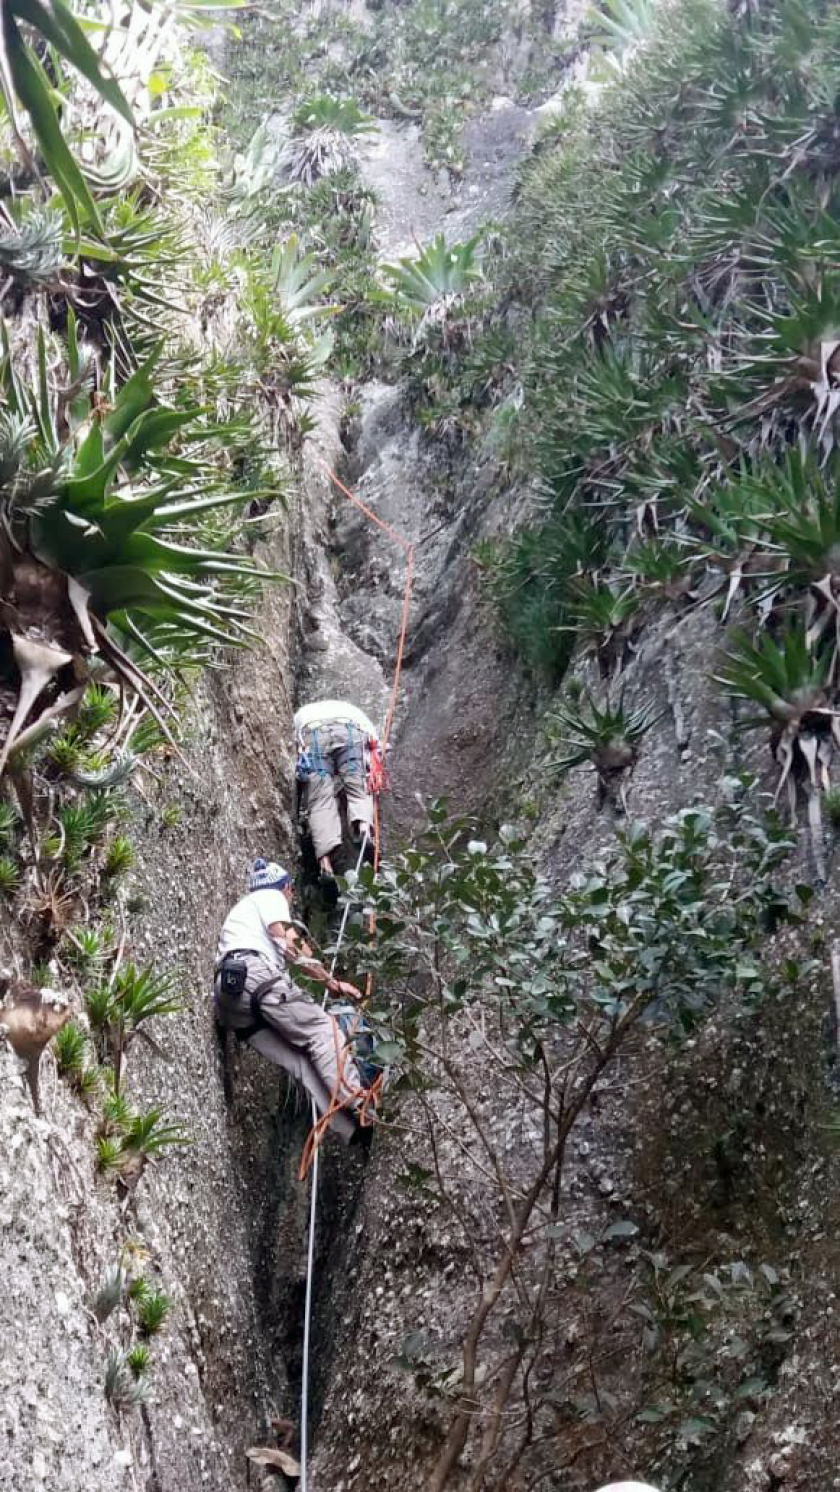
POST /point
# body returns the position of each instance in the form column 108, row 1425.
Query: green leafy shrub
column 544, row 984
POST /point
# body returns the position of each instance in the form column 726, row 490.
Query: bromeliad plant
column 119, row 1009
column 790, row 681
column 99, row 495
column 323, row 128
column 431, row 290
column 607, row 735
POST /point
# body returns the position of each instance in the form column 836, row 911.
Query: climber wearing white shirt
column 256, row 997
column 335, row 741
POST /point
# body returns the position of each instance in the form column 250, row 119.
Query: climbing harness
column 232, row 972
column 366, row 1097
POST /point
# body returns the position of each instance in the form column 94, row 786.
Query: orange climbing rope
column 344, row 1094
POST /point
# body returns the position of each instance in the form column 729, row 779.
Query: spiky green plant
column 441, row 274
column 138, row 994
column 138, row 1360
column 109, row 1295
column 603, row 617
column 89, row 946
column 153, row 1307
column 327, row 112
column 98, row 1006
column 98, row 709
column 32, row 247
column 297, row 284
column 27, row 27
column 122, row 1389
column 9, row 875
column 150, row 1134
column 607, row 734
column 8, row 821
column 119, row 857
column 790, row 682
column 618, row 25
column 70, row 1046
column 109, row 1153
column 323, row 129
column 117, row 1112
column 784, row 677
column 103, row 513
column 65, row 750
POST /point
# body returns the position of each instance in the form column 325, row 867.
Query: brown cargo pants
column 298, row 1035
column 337, row 754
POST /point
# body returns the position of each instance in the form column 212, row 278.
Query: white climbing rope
column 313, row 1201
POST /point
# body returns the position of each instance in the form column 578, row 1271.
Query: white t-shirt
column 247, row 924
column 324, row 711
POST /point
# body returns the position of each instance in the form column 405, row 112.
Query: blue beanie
column 268, row 875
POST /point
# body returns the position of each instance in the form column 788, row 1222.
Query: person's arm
column 299, row 953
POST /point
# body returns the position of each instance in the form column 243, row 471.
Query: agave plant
column 298, row 285
column 93, row 517
column 804, row 526
column 438, row 278
column 619, row 25
column 608, row 735
column 604, row 618
column 790, row 682
column 323, row 128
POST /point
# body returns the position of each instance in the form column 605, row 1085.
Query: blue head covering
column 267, row 875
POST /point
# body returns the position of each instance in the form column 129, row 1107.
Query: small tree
column 500, row 982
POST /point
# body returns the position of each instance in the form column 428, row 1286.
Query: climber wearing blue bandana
column 255, row 996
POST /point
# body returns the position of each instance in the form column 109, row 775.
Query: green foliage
column 692, row 1318
column 340, row 114
column 8, row 821
column 785, row 678
column 654, row 929
column 9, row 875
column 608, row 734
column 152, row 1308
column 501, row 983
column 119, row 857
column 109, row 1153
column 678, row 381
column 138, row 1360
column 25, row 82
column 297, row 285
column 440, row 275
column 97, row 710
column 32, row 248
column 149, row 1133
column 89, row 947
column 87, row 513
column 123, row 1389
column 620, row 24
column 70, row 1046
column 109, row 1295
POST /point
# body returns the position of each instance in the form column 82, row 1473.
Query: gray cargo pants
column 297, row 1035
column 337, row 755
